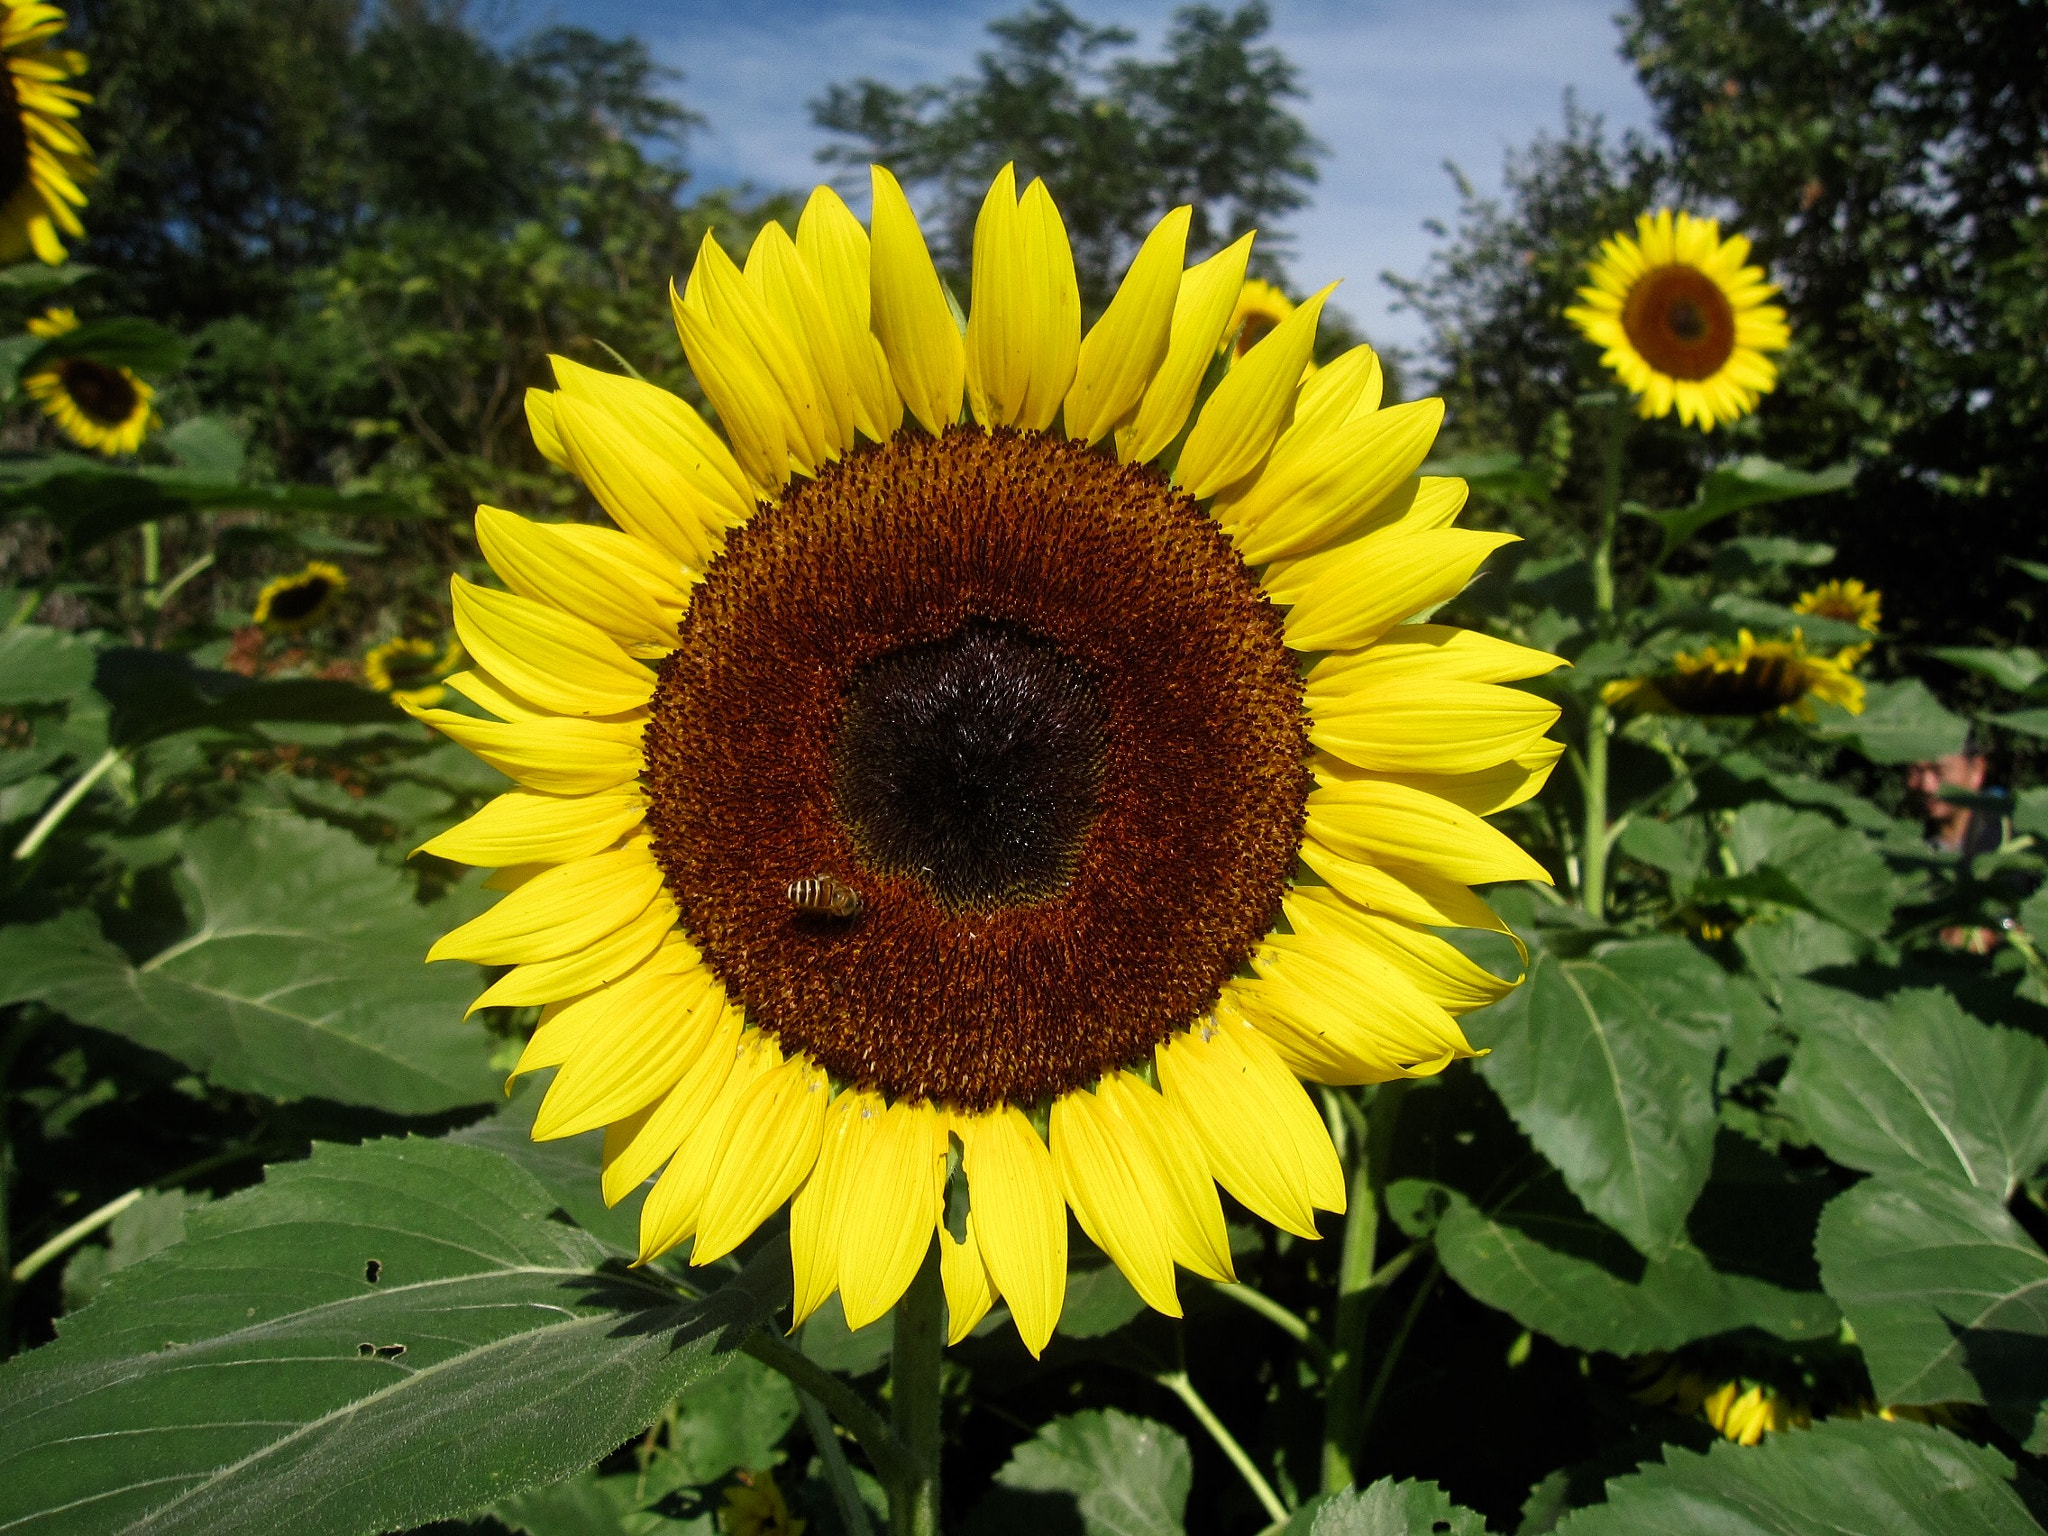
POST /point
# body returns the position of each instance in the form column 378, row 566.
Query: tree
column 1121, row 140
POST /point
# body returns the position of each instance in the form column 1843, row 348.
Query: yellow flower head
column 1852, row 603
column 1746, row 1414
column 57, row 320
column 43, row 159
column 754, row 1506
column 97, row 405
column 968, row 804
column 411, row 670
column 1682, row 321
column 1260, row 306
column 1751, row 677
column 293, row 602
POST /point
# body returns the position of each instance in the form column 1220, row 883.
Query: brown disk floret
column 1029, row 705
column 1681, row 322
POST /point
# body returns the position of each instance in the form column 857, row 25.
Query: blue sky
column 1394, row 91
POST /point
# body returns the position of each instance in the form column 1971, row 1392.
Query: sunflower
column 985, row 839
column 43, row 158
column 1751, row 677
column 1683, row 321
column 411, row 670
column 1260, row 307
column 300, row 599
column 97, row 405
column 1852, row 603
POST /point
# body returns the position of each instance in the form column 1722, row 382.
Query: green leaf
column 1782, row 944
column 1841, row 1476
column 1816, row 863
column 1948, row 1297
column 593, row 1504
column 2029, row 722
column 152, row 1224
column 159, row 693
column 1750, row 482
column 376, row 1338
column 1742, row 559
column 1503, row 476
column 127, row 342
column 1099, row 1301
column 303, row 975
column 207, row 445
column 15, row 351
column 570, row 1168
column 1607, row 1063
column 1542, row 1260
column 2017, row 669
column 1737, row 613
column 735, row 1420
column 43, row 666
column 1915, row 1085
column 1901, row 723
column 1387, row 1508
column 1122, row 1476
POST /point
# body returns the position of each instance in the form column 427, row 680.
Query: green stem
column 853, row 1515
column 169, row 590
column 61, row 806
column 1357, row 1286
column 1178, row 1384
column 884, row 1451
column 152, row 559
column 914, row 1359
column 1392, row 1357
column 26, row 608
column 1594, row 845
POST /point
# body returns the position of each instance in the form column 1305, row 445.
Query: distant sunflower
column 97, row 405
column 300, row 599
column 1850, row 602
column 1683, row 321
column 754, row 1506
column 43, row 158
column 1260, row 307
column 1752, row 677
column 973, row 776
column 411, row 670
column 57, row 320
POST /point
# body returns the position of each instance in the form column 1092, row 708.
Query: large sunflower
column 43, row 158
column 928, row 824
column 97, row 405
column 1683, row 320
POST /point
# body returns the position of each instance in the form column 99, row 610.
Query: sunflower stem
column 1599, row 720
column 853, row 1515
column 61, row 806
column 1358, row 1284
column 914, row 1360
column 868, row 1428
column 1178, row 1384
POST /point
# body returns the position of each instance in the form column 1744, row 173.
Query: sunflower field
column 925, row 856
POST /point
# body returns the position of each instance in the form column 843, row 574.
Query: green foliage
column 1113, row 1474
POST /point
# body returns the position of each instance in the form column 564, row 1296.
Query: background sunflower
column 44, row 161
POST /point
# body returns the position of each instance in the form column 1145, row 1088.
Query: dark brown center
column 299, row 601
column 1680, row 321
column 1762, row 684
column 1028, row 704
column 105, row 394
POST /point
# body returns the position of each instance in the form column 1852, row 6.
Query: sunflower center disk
column 1030, row 706
column 1681, row 322
column 103, row 393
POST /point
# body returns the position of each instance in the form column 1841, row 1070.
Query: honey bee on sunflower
column 1149, row 797
column 44, row 160
column 1683, row 319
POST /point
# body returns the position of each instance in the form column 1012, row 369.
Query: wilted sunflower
column 960, row 808
column 1683, row 321
column 1751, row 677
column 295, row 601
column 97, row 405
column 411, row 670
column 43, row 158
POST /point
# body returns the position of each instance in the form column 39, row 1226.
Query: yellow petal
column 911, row 318
column 1262, row 1137
column 1422, row 504
column 540, row 420
column 1342, row 391
column 758, row 355
column 1411, row 894
column 632, row 1055
column 1424, row 725
column 968, row 1294
column 565, row 757
column 999, row 342
column 557, row 660
column 651, row 1138
column 1321, row 488
column 486, row 692
column 1485, row 792
column 1048, row 265
column 1116, row 1194
column 1192, row 1212
column 1201, row 309
column 547, row 981
column 1339, row 1014
column 893, row 1212
column 817, row 1215
column 769, row 1147
column 668, row 426
column 669, row 1214
column 784, row 284
column 1245, row 415
column 558, row 911
column 835, row 249
column 1439, row 652
column 522, row 827
column 1020, row 1219
column 1376, row 822
column 611, row 579
column 1380, row 581
column 1444, row 974
column 1126, row 347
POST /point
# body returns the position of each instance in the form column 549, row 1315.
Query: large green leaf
column 1608, row 1064
column 1387, row 1508
column 1750, row 482
column 159, row 693
column 1915, row 1085
column 43, row 666
column 1948, row 1297
column 123, row 342
column 1901, row 723
column 303, row 975
column 1866, row 1477
column 1542, row 1260
column 1114, row 1474
column 379, row 1337
column 1808, row 860
column 2017, row 669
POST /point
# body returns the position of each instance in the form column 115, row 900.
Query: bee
column 824, row 896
